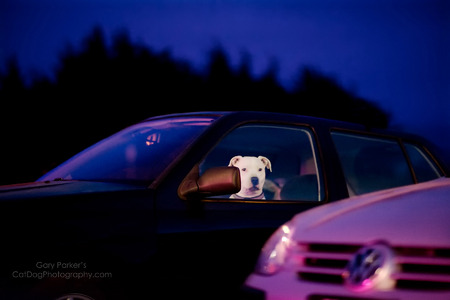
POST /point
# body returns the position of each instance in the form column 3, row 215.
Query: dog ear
column 234, row 160
column 266, row 162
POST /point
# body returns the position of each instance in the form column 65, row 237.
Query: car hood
column 60, row 188
column 411, row 215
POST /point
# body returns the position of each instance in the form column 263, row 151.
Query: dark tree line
column 98, row 89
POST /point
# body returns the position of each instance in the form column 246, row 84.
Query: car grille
column 418, row 268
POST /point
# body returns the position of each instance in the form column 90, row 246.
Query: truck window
column 424, row 167
column 371, row 163
column 285, row 154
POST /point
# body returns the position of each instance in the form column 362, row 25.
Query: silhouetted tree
column 269, row 87
column 12, row 80
column 322, row 96
column 98, row 89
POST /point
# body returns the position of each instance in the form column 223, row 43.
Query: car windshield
column 136, row 154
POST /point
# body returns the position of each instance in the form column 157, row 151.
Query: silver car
column 391, row 244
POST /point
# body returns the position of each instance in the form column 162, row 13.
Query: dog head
column 253, row 174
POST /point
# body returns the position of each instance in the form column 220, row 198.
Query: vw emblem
column 371, row 268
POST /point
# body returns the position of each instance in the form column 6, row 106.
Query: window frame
column 388, row 137
column 316, row 151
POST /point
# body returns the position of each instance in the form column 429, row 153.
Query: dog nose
column 254, row 180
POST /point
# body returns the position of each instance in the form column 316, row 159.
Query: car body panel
column 418, row 213
column 44, row 189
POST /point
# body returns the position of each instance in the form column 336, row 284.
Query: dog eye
column 244, row 169
column 260, row 169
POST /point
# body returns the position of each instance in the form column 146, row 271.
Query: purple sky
column 394, row 52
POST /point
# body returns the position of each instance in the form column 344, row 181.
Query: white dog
column 253, row 176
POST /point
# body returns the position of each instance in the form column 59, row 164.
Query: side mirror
column 214, row 182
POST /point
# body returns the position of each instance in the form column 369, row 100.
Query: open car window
column 276, row 162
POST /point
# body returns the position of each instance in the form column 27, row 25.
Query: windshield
column 136, row 154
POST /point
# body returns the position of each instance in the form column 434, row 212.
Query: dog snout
column 254, row 180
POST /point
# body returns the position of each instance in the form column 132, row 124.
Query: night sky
column 393, row 52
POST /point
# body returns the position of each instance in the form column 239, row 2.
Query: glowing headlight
column 274, row 253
